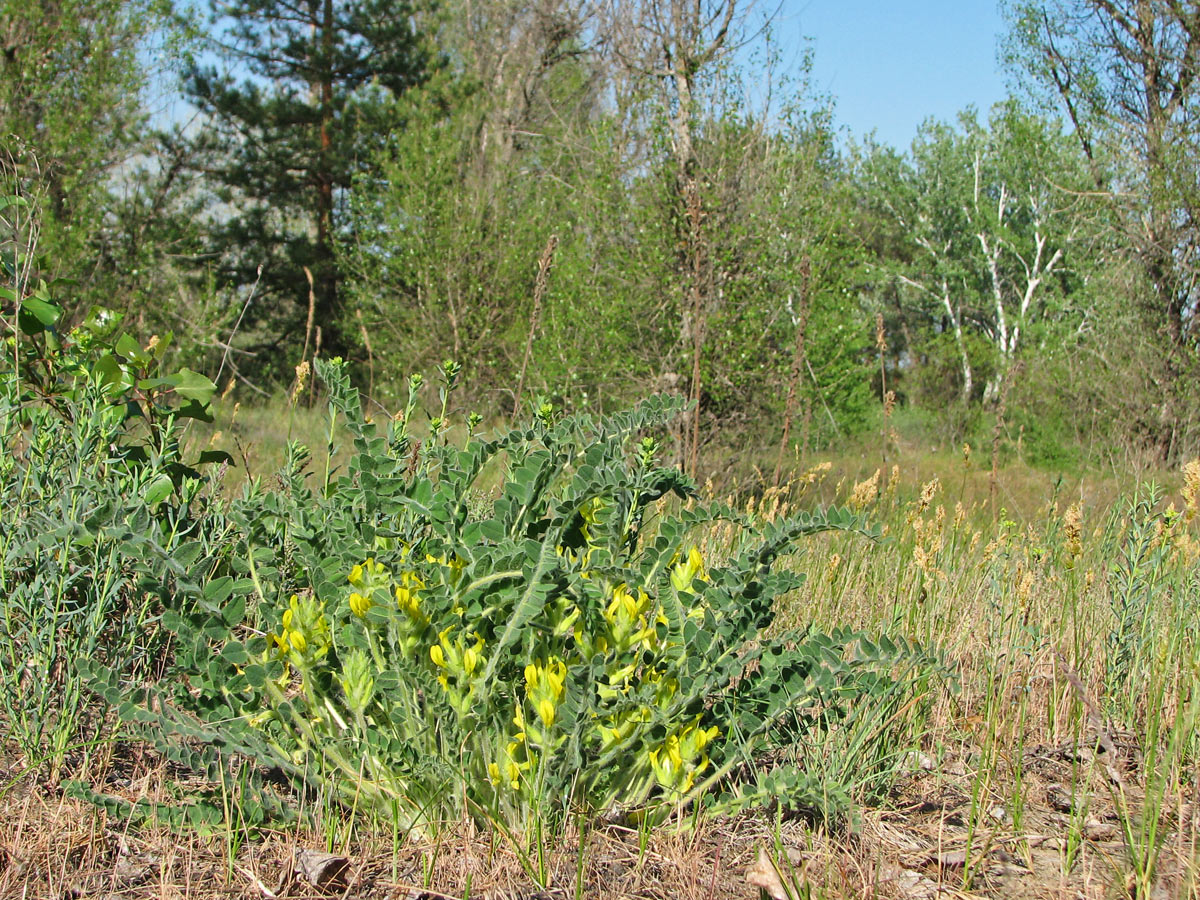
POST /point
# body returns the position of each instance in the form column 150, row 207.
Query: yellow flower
column 407, row 598
column 471, row 656
column 545, row 686
column 681, row 757
column 359, row 604
column 305, row 631
column 367, row 571
column 683, row 574
column 454, row 566
column 511, row 763
column 625, row 615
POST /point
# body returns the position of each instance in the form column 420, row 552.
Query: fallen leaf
column 951, row 859
column 323, row 870
column 763, row 874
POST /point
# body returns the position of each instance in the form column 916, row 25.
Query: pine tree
column 305, row 93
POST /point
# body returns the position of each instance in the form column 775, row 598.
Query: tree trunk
column 327, row 305
column 799, row 363
column 956, row 323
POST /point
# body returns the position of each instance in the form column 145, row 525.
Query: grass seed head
column 1073, row 529
column 1191, row 489
column 865, row 492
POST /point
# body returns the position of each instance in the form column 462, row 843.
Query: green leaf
column 108, row 370
column 158, row 490
column 235, row 653
column 195, row 409
column 210, row 457
column 529, row 605
column 101, row 321
column 256, row 675
column 193, row 386
column 164, row 344
column 235, row 610
column 218, row 590
column 129, row 349
column 187, row 554
column 38, row 314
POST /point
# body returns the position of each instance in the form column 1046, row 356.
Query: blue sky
column 891, row 65
column 887, row 65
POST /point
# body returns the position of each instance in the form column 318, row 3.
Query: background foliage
column 416, row 160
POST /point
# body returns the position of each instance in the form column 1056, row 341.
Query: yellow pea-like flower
column 688, row 571
column 359, row 605
column 407, row 601
column 556, row 676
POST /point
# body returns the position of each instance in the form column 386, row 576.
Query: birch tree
column 990, row 214
column 1124, row 72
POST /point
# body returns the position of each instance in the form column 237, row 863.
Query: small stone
column 915, row 759
column 1095, row 830
column 1062, row 799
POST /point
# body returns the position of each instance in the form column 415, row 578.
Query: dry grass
column 51, row 846
column 921, row 846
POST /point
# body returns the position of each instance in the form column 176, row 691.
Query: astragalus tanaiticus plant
column 410, row 644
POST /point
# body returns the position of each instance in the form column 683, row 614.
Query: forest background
column 584, row 202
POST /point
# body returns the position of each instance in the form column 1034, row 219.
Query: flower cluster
column 681, row 757
column 418, row 612
column 303, row 639
column 460, row 664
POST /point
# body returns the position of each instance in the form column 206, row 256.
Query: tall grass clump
column 1074, row 635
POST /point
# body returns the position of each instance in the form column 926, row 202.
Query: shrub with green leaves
column 427, row 649
column 95, row 487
